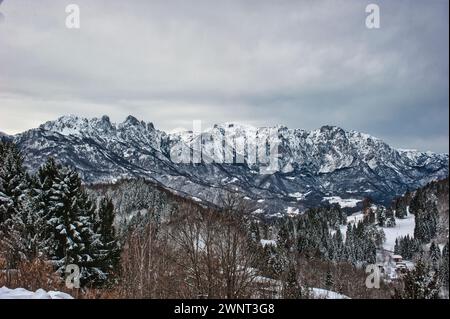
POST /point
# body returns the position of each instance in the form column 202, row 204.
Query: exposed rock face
column 312, row 165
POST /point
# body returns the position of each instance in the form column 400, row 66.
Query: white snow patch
column 227, row 181
column 67, row 131
column 258, row 211
column 292, row 211
column 288, row 168
column 21, row 293
column 267, row 242
column 355, row 218
column 344, row 203
column 319, row 293
column 299, row 196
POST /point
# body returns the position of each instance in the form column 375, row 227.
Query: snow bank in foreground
column 319, row 293
column 20, row 293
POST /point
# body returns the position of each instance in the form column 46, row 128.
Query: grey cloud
column 297, row 63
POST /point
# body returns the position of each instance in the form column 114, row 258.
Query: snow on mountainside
column 325, row 163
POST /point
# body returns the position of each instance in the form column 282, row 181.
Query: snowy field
column 344, row 203
column 402, row 227
column 20, row 293
column 355, row 218
column 352, row 219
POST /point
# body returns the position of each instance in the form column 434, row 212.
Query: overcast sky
column 302, row 64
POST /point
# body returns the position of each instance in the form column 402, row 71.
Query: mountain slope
column 328, row 164
column 3, row 136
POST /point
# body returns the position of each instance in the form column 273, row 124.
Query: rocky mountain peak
column 329, row 161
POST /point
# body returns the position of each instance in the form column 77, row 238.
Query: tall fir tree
column 390, row 218
column 381, row 216
column 291, row 286
column 14, row 185
column 13, row 180
column 110, row 244
column 42, row 192
column 420, row 283
column 73, row 221
column 443, row 269
column 329, row 281
column 435, row 255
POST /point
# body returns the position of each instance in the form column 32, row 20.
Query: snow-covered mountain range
column 314, row 167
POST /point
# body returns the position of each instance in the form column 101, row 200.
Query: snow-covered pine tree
column 14, row 184
column 349, row 245
column 329, row 281
column 381, row 216
column 400, row 213
column 340, row 254
column 426, row 216
column 13, row 180
column 390, row 218
column 283, row 237
column 254, row 233
column 408, row 247
column 42, row 190
column 400, row 206
column 291, row 286
column 105, row 228
column 420, row 283
column 26, row 237
column 421, row 230
column 276, row 263
column 397, row 247
column 435, row 255
column 443, row 269
column 371, row 253
column 73, row 221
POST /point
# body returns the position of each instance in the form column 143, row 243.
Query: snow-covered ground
column 265, row 242
column 21, row 293
column 355, row 218
column 344, row 203
column 402, row 227
column 318, row 293
column 258, row 211
column 292, row 211
column 300, row 196
column 352, row 219
column 315, row 293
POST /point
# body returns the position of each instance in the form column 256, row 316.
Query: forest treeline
column 133, row 239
